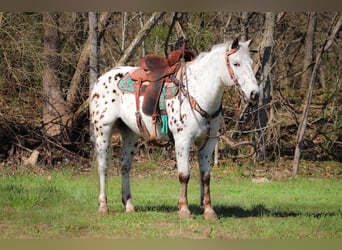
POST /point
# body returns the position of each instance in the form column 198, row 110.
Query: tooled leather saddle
column 155, row 70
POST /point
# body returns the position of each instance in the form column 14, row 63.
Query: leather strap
column 231, row 71
column 204, row 113
column 140, row 123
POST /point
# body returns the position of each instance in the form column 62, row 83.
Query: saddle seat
column 155, row 69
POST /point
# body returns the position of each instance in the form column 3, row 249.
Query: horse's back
column 105, row 96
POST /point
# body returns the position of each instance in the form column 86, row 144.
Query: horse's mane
column 215, row 50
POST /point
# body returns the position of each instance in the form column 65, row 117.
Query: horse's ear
column 235, row 44
column 249, row 42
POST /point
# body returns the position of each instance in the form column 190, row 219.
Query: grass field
column 63, row 205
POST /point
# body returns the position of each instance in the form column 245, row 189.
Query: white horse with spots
column 205, row 77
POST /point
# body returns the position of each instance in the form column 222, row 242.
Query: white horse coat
column 205, row 78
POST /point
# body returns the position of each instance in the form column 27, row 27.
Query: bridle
column 231, row 71
column 194, row 105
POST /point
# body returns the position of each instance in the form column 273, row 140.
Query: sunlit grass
column 60, row 204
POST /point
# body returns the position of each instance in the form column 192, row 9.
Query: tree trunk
column 54, row 105
column 140, row 37
column 141, row 21
column 93, row 64
column 83, row 61
column 302, row 125
column 308, row 50
column 124, row 31
column 265, row 85
column 156, row 16
column 244, row 26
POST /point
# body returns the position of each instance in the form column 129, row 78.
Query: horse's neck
column 205, row 81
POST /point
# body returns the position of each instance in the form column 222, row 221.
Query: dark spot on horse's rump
column 113, row 100
column 106, row 102
column 179, row 129
column 101, row 117
column 104, row 141
column 114, row 91
column 104, row 84
column 120, row 75
column 97, row 112
column 96, row 95
column 109, row 79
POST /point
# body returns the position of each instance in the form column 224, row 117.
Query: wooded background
column 49, row 62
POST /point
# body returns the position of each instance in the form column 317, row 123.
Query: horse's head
column 239, row 64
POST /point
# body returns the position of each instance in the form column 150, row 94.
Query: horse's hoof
column 129, row 206
column 104, row 210
column 130, row 210
column 210, row 215
column 185, row 214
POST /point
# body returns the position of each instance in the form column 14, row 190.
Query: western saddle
column 156, row 70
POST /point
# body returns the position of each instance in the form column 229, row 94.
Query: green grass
column 62, row 205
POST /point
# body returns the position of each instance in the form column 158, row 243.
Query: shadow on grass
column 222, row 211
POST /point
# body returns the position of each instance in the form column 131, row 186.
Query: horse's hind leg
column 103, row 138
column 129, row 147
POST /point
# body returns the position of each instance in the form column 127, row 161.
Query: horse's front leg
column 182, row 149
column 204, row 157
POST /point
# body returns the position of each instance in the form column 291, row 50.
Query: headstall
column 231, row 71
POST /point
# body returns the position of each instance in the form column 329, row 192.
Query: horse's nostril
column 254, row 95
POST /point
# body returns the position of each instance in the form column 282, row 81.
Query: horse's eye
column 237, row 64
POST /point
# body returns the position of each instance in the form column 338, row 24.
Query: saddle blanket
column 169, row 90
column 126, row 84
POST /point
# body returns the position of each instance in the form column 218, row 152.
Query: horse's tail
column 92, row 137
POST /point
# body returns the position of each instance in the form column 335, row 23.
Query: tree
column 140, row 37
column 265, row 85
column 93, row 65
column 308, row 49
column 302, row 126
column 54, row 109
column 244, row 26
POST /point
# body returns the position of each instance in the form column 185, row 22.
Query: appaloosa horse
column 194, row 116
